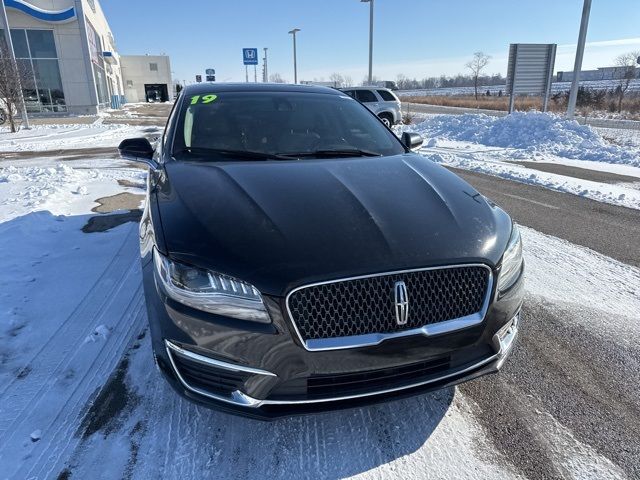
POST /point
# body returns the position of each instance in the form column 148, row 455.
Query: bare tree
column 348, row 81
column 337, row 79
column 476, row 65
column 626, row 71
column 13, row 76
column 365, row 81
column 276, row 78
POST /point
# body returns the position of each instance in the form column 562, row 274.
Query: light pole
column 265, row 72
column 295, row 57
column 582, row 37
column 370, row 2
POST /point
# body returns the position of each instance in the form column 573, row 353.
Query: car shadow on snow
column 162, row 428
column 181, row 438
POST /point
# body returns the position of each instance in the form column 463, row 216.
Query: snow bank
column 64, row 136
column 533, row 132
column 61, row 189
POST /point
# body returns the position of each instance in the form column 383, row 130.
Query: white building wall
column 72, row 49
column 136, row 73
column 100, row 23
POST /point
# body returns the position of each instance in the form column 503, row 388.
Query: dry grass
column 486, row 103
column 630, row 105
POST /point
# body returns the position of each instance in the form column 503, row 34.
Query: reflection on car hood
column 280, row 224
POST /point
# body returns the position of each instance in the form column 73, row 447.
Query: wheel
column 386, row 119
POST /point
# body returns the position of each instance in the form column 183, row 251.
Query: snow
column 70, row 136
column 565, row 273
column 72, row 313
column 614, row 194
column 532, row 133
column 60, row 189
column 495, row 145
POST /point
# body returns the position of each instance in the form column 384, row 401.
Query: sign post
column 211, row 74
column 249, row 57
column 530, row 71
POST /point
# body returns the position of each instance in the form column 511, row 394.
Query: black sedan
column 298, row 257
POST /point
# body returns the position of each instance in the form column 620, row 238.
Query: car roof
column 201, row 88
column 366, row 87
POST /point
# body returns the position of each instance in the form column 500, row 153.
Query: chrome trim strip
column 241, row 399
column 215, row 363
column 382, row 392
column 356, row 341
column 504, row 339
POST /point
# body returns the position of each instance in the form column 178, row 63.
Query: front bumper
column 263, row 371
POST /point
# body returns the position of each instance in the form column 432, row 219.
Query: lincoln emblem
column 401, row 302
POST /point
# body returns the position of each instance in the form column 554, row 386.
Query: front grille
column 357, row 383
column 366, row 305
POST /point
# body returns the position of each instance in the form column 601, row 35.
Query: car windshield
column 278, row 125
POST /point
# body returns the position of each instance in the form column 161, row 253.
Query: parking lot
column 80, row 397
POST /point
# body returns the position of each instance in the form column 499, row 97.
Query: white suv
column 381, row 101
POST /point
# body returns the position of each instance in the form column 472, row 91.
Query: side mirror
column 411, row 140
column 137, row 150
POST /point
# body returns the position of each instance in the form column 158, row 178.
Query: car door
column 369, row 100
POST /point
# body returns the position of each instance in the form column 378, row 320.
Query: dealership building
column 68, row 58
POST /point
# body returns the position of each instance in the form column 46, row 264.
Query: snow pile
column 60, row 188
column 74, row 136
column 533, row 132
column 39, row 183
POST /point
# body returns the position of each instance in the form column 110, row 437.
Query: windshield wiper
column 349, row 152
column 244, row 154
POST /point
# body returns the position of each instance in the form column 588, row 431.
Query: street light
column 265, row 73
column 295, row 59
column 370, row 2
column 582, row 38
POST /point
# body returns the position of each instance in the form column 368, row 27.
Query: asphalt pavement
column 608, row 229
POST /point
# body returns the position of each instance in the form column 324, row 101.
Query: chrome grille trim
column 357, row 341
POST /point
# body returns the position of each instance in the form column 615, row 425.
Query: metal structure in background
column 370, row 2
column 582, row 38
column 530, row 71
column 295, row 55
column 250, row 57
column 265, row 72
column 9, row 41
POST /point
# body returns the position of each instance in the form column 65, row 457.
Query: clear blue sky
column 417, row 38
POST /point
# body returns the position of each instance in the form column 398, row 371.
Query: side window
column 366, row 96
column 386, row 96
column 351, row 93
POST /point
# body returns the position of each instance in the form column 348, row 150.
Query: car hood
column 281, row 224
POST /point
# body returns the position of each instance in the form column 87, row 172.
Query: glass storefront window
column 101, row 84
column 37, row 61
column 47, row 73
column 41, row 44
column 19, row 40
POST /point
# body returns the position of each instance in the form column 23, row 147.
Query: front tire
column 386, row 119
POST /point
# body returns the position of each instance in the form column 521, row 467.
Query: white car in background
column 381, row 101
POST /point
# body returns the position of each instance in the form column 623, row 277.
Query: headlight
column 511, row 261
column 209, row 291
